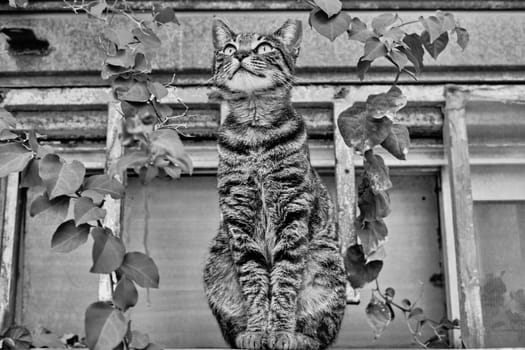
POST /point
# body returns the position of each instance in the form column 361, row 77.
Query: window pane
column 500, row 230
column 184, row 216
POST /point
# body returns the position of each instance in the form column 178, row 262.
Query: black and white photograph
column 262, row 174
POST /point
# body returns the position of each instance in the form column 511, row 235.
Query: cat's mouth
column 243, row 70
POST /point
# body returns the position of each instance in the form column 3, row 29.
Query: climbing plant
column 155, row 149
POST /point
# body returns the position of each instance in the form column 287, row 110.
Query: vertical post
column 456, row 149
column 345, row 187
column 113, row 207
column 9, row 191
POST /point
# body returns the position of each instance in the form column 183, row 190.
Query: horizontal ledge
column 315, row 93
column 421, row 155
column 457, row 75
column 204, row 5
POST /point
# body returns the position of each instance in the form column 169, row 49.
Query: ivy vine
column 155, row 149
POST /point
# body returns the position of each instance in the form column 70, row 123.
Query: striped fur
column 274, row 278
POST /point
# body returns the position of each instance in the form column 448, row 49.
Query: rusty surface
column 73, row 41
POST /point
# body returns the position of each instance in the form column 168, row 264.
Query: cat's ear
column 290, row 34
column 221, row 33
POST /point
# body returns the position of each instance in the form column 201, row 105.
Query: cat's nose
column 240, row 55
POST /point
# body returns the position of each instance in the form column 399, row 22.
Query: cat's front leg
column 289, row 256
column 252, row 270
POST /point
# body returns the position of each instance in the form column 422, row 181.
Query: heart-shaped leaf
column 358, row 31
column 7, row 121
column 166, row 15
column 377, row 172
column 462, row 37
column 119, row 36
column 108, row 251
column 135, row 159
column 147, row 37
column 126, row 294
column 157, row 89
column 397, row 141
column 61, row 178
column 86, row 210
column 433, row 27
column 329, row 27
column 105, row 326
column 415, row 50
column 372, row 235
column 381, row 22
column 386, row 104
column 362, row 67
column 436, row 47
column 68, row 237
column 372, row 206
column 330, row 7
column 399, row 58
column 378, row 315
column 166, row 144
column 351, row 124
column 140, row 268
column 138, row 92
column 30, row 177
column 20, row 336
column 123, row 58
column 139, row 340
column 374, row 48
column 358, row 271
column 13, row 158
column 57, row 207
column 105, row 185
column 43, row 338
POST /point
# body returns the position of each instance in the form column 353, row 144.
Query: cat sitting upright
column 274, row 278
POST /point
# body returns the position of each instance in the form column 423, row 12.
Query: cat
column 274, row 278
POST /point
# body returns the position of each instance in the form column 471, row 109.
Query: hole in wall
column 23, row 41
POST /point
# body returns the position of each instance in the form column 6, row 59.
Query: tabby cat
column 274, row 278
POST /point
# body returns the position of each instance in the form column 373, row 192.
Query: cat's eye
column 263, row 48
column 229, row 50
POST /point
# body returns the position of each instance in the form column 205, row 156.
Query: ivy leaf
column 119, row 36
column 105, row 326
column 140, row 268
column 415, row 50
column 20, row 337
column 372, row 206
column 7, row 121
column 135, row 159
column 98, row 8
column 139, row 340
column 43, row 338
column 57, row 207
column 330, row 7
column 416, row 314
column 7, row 135
column 108, row 251
column 332, row 27
column 96, row 197
column 462, row 37
column 60, row 178
column 376, row 172
column 386, row 104
column 358, row 271
column 362, row 67
column 126, row 294
column 351, row 124
column 86, row 210
column 396, row 34
column 397, row 141
column 381, row 22
column 13, row 158
column 378, row 254
column 359, row 31
column 378, row 315
column 399, row 58
column 166, row 144
column 30, row 177
column 123, row 58
column 68, row 237
column 433, row 27
column 138, row 92
column 406, row 303
column 105, row 185
column 147, row 37
column 374, row 48
column 436, row 47
column 447, row 20
column 166, row 15
column 372, row 235
column 157, row 89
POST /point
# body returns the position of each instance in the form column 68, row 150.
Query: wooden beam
column 113, row 207
column 8, row 253
column 458, row 162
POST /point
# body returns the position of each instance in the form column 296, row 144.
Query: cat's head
column 248, row 62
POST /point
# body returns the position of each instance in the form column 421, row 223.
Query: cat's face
column 249, row 62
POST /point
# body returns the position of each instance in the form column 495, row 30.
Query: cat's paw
column 291, row 341
column 250, row 340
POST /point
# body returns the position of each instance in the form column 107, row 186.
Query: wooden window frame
column 452, row 161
